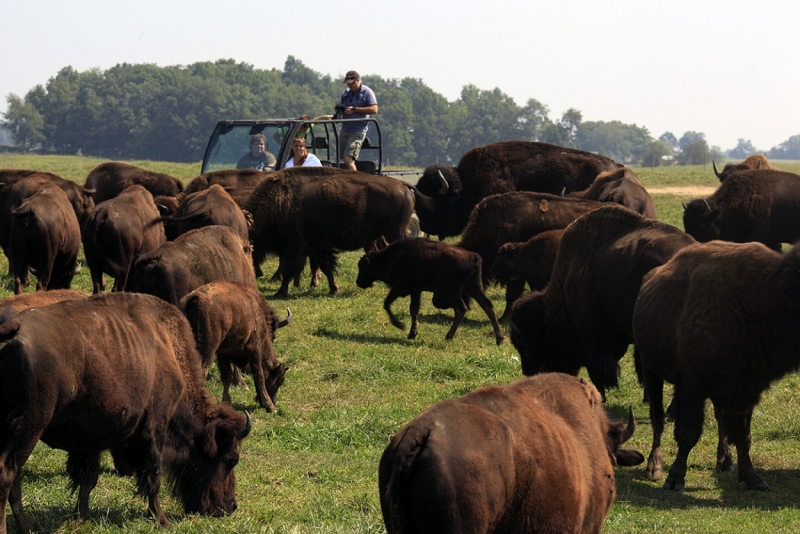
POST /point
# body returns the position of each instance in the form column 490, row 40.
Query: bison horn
column 286, row 321
column 563, row 190
column 684, row 205
column 249, row 425
column 714, row 164
column 626, row 435
column 445, row 186
column 708, row 207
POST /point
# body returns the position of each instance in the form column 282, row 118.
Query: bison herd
column 712, row 310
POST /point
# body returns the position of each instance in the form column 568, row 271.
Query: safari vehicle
column 231, row 139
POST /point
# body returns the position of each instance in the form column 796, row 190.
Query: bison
column 238, row 182
column 196, row 258
column 533, row 456
column 116, row 371
column 530, row 262
column 112, row 178
column 760, row 205
column 316, row 211
column 46, row 238
column 11, row 306
column 413, row 265
column 236, row 323
column 501, row 168
column 719, row 321
column 117, row 231
column 622, row 187
column 205, row 208
column 756, row 161
column 516, row 217
column 583, row 316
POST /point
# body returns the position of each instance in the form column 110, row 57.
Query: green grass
column 354, row 380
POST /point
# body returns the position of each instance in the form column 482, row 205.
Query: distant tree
column 789, row 149
column 696, row 153
column 483, row 117
column 743, row 149
column 431, row 123
column 23, row 122
column 534, row 119
column 624, row 143
column 670, row 139
column 563, row 132
column 717, row 155
column 653, row 156
column 690, row 138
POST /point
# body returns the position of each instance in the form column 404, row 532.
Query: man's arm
column 365, row 110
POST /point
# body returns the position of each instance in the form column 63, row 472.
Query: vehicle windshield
column 230, row 142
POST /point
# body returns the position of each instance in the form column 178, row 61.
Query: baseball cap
column 351, row 75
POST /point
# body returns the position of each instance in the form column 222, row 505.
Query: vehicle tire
column 413, row 227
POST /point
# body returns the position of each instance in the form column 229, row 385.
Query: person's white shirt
column 311, row 161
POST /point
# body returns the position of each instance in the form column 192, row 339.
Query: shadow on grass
column 401, row 340
column 61, row 518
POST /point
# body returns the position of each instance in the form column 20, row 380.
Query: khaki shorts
column 350, row 143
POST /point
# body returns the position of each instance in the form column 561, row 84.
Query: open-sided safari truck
column 231, row 139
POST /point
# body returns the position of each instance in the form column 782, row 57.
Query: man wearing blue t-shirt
column 359, row 102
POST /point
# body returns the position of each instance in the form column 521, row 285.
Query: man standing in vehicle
column 359, row 103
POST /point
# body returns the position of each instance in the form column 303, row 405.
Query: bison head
column 274, row 380
column 538, row 348
column 203, row 479
column 701, row 220
column 448, row 213
column 366, row 275
column 504, row 265
column 617, row 435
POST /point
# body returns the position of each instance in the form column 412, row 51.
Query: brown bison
column 316, row 211
column 516, row 217
column 239, row 183
column 45, row 237
column 622, row 187
column 720, row 321
column 415, row 264
column 530, row 262
column 196, row 258
column 501, row 168
column 117, row 231
column 583, row 316
column 236, row 323
column 205, row 208
column 11, row 306
column 762, row 205
column 112, row 178
column 757, row 161
column 533, row 456
column 116, row 371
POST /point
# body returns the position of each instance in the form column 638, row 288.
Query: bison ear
column 208, row 439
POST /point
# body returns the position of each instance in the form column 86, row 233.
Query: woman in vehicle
column 300, row 156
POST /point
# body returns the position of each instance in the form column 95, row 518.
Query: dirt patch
column 694, row 191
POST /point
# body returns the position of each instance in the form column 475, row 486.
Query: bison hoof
column 675, row 483
column 654, row 468
column 725, row 465
column 500, row 339
column 400, row 325
column 753, row 482
column 412, row 334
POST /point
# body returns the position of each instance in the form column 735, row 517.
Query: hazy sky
column 730, row 69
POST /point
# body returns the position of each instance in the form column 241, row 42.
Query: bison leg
column 737, row 428
column 24, row 525
column 327, row 263
column 387, row 305
column 514, row 290
column 474, row 290
column 461, row 310
column 413, row 308
column 83, row 469
column 226, row 375
column 259, row 380
column 688, row 428
column 724, row 459
column 654, row 386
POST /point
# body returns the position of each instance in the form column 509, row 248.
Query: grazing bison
column 11, row 306
column 416, row 264
column 583, row 317
column 316, row 211
column 754, row 162
column 500, row 168
column 236, row 323
column 622, row 187
column 45, row 237
column 116, row 371
column 720, row 321
column 762, row 205
column 205, row 208
column 21, row 184
column 196, row 258
column 117, row 231
column 516, row 217
column 530, row 262
column 533, row 456
column 232, row 180
column 112, row 178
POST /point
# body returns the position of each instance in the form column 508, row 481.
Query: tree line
column 144, row 111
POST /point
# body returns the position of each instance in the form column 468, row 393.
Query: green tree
column 563, row 132
column 696, row 153
column 654, row 154
column 621, row 142
column 431, row 123
column 744, row 148
column 484, row 117
column 789, row 149
column 670, row 139
column 689, row 138
column 23, row 122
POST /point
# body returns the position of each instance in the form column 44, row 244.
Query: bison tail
column 396, row 468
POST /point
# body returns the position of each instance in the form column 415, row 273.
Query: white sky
column 730, row 69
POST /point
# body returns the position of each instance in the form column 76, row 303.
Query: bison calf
column 537, row 455
column 413, row 265
column 236, row 323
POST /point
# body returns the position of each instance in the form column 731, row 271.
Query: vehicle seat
column 366, row 166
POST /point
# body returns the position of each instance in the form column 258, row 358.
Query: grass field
column 355, row 380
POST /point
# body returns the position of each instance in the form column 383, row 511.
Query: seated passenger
column 301, row 132
column 259, row 157
column 300, row 156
